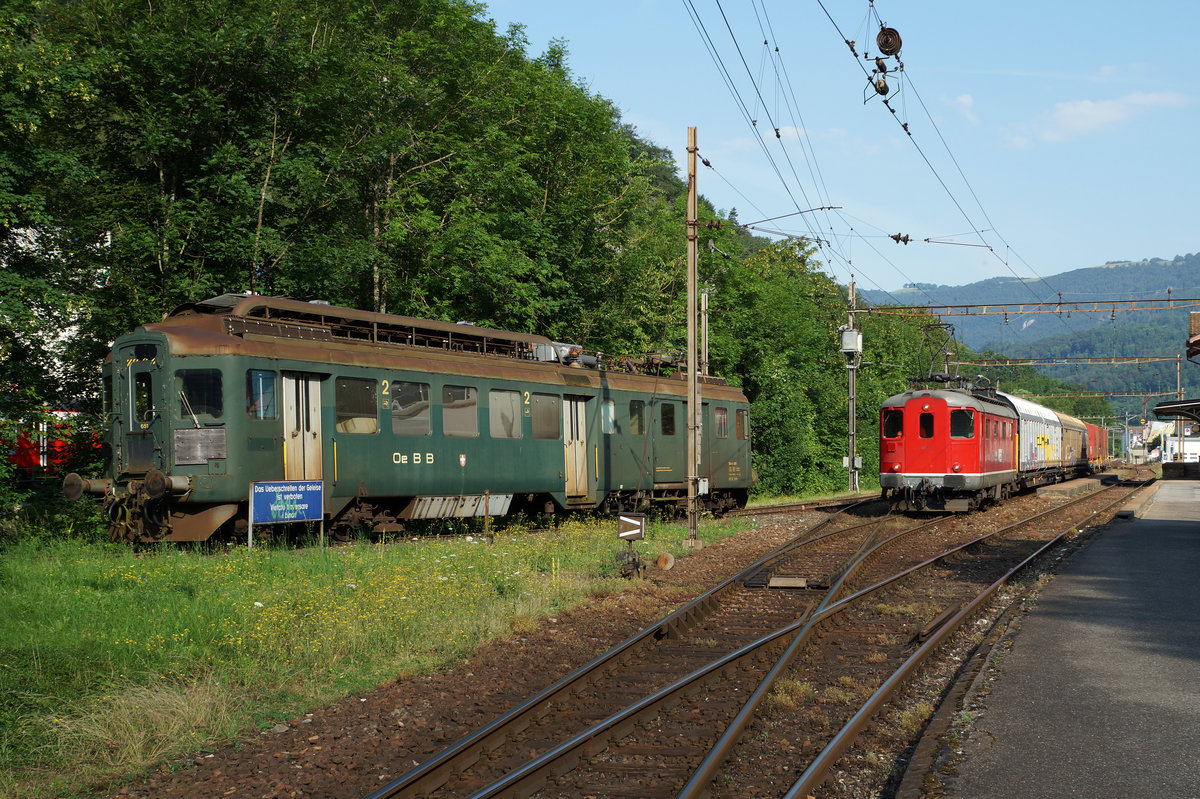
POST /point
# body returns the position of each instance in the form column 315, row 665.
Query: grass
column 865, row 491
column 113, row 661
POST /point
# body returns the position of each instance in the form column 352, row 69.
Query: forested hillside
column 403, row 157
column 1089, row 335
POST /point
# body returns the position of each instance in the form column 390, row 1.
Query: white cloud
column 1076, row 118
column 965, row 104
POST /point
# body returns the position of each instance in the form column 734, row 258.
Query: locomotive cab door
column 301, row 427
column 575, row 445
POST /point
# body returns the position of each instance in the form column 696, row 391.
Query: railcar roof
column 1032, row 410
column 282, row 327
column 348, row 320
column 958, row 399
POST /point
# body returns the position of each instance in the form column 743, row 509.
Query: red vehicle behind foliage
column 47, row 446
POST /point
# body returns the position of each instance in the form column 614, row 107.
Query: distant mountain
column 1105, row 334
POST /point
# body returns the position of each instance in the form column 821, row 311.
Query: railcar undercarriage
column 146, row 512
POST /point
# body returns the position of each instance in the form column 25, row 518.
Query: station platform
column 1099, row 694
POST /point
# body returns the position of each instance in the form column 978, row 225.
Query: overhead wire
column 783, row 80
column 834, row 246
column 976, row 230
column 810, row 233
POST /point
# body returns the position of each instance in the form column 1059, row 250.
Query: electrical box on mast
column 851, row 341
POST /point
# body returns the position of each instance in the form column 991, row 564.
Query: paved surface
column 1100, row 694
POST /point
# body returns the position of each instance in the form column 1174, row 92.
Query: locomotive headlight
column 895, row 467
column 957, row 467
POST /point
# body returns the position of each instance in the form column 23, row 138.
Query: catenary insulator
column 881, row 86
column 888, row 41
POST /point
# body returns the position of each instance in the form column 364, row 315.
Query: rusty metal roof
column 293, row 329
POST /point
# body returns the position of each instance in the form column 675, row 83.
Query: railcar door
column 575, row 444
column 301, row 427
column 139, row 401
column 669, row 425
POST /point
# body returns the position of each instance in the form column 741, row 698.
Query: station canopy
column 1179, row 409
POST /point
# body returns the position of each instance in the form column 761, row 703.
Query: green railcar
column 398, row 418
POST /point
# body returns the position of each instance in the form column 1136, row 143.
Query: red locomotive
column 955, row 449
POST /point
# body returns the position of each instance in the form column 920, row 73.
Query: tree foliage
column 404, row 157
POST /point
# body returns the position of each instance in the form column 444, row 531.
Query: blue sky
column 1060, row 134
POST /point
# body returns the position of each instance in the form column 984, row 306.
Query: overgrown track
column 667, row 712
column 795, row 507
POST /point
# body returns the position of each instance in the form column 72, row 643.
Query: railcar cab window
column 260, row 394
column 637, row 417
column 925, row 425
column 721, row 418
column 355, row 406
column 198, row 395
column 460, row 411
column 547, row 417
column 667, row 419
column 743, row 425
column 608, row 417
column 504, row 413
column 962, row 423
column 410, row 409
column 893, row 422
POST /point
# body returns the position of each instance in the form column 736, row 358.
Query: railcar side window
column 260, row 394
column 198, row 394
column 721, row 417
column 925, row 425
column 962, row 423
column 637, row 417
column 893, row 422
column 460, row 411
column 410, row 409
column 668, row 418
column 355, row 406
column 743, row 425
column 547, row 417
column 608, row 417
column 504, row 413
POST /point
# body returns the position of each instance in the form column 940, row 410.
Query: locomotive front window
column 504, row 413
column 742, row 421
column 925, row 425
column 260, row 394
column 637, row 417
column 721, row 417
column 410, row 409
column 547, row 417
column 355, row 406
column 668, row 418
column 893, row 422
column 608, row 417
column 962, row 423
column 198, row 394
column 460, row 411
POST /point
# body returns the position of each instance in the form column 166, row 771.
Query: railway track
column 667, row 712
